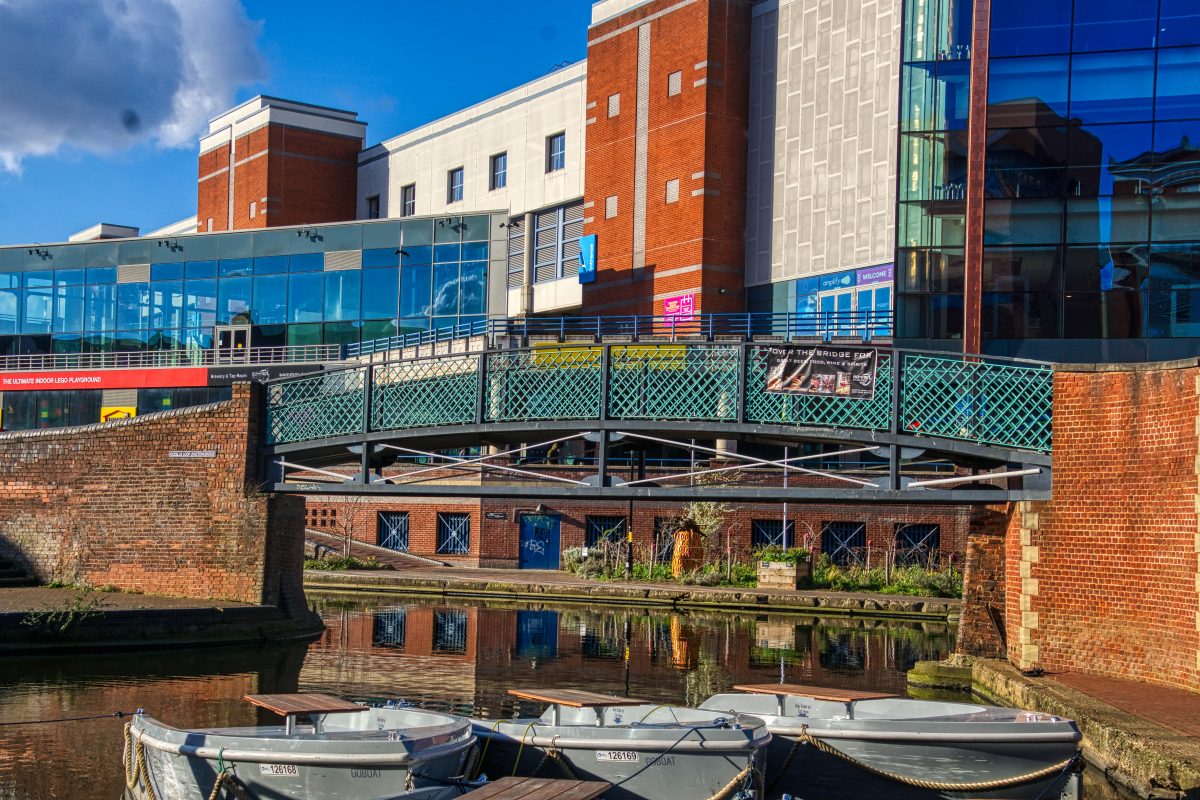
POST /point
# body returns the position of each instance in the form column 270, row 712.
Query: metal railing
column 143, row 359
column 986, row 400
column 708, row 327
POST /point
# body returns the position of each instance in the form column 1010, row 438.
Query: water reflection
column 460, row 657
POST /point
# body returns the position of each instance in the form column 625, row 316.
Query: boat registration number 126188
column 278, row 769
column 616, row 755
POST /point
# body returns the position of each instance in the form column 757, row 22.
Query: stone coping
column 1147, row 759
column 1142, row 366
column 509, row 586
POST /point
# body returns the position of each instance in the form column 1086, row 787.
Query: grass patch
column 343, row 563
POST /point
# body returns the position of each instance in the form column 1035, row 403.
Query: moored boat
column 885, row 745
column 349, row 752
column 644, row 750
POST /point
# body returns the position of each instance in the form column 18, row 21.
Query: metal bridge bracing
column 982, row 410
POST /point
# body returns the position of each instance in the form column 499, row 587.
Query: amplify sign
column 252, row 373
column 847, row 372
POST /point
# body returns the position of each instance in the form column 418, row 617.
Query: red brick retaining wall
column 108, row 504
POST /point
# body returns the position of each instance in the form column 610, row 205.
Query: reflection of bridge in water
column 986, row 414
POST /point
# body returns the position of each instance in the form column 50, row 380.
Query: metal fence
column 1002, row 402
column 143, row 359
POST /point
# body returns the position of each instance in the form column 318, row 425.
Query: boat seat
column 825, row 693
column 290, row 706
column 510, row 788
column 574, row 698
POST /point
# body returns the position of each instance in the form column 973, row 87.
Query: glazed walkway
column 530, row 584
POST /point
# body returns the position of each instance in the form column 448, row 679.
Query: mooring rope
column 140, row 771
column 553, row 754
column 114, row 715
column 982, row 786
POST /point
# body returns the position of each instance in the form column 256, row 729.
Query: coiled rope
column 226, row 779
column 135, row 768
column 983, row 786
column 738, row 780
column 553, row 754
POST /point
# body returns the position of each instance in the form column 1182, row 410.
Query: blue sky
column 398, row 64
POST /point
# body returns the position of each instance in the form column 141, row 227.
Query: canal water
column 461, row 657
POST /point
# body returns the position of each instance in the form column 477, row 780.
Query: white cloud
column 102, row 75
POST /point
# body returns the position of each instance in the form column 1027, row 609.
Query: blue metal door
column 539, row 542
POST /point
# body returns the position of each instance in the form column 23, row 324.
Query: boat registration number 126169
column 278, row 769
column 616, row 755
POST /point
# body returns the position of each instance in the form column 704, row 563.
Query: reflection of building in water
column 465, row 658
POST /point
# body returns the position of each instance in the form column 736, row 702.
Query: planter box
column 782, row 575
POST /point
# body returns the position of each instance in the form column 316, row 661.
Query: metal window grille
column 614, row 105
column 917, row 544
column 391, row 626
column 603, row 528
column 674, row 84
column 454, row 534
column 393, row 530
column 408, row 201
column 610, row 207
column 769, row 532
column 844, row 542
column 555, row 240
column 556, row 152
column 516, row 252
column 454, row 188
column 673, row 191
column 449, row 631
column 664, row 537
column 499, row 171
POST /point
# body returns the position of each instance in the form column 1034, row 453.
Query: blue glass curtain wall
column 325, row 284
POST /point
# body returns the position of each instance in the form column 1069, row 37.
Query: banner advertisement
column 587, row 258
column 680, row 306
column 822, row 371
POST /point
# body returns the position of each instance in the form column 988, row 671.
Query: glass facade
column 315, row 285
column 1091, row 226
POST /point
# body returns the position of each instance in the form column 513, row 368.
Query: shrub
column 773, row 552
column 343, row 563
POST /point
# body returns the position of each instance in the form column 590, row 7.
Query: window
column 599, row 529
column 253, row 208
column 768, row 532
column 408, row 200
column 555, row 239
column 673, row 191
column 844, row 542
column 210, row 224
column 454, row 185
column 674, row 84
column 664, row 537
column 373, row 207
column 391, row 627
column 393, row 530
column 917, row 544
column 610, row 207
column 454, row 534
column 499, row 172
column 614, row 105
column 556, row 152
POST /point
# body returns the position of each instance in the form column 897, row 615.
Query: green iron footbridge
column 985, row 414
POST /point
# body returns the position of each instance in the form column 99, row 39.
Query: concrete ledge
column 1147, row 759
column 935, row 675
column 1148, row 366
column 158, row 628
column 718, row 598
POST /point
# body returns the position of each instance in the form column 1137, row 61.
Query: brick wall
column 107, row 504
column 496, row 542
column 697, row 137
column 981, row 626
column 1103, row 578
column 292, row 175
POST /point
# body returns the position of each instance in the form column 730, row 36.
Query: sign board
column 105, row 379
column 680, row 306
column 881, row 274
column 846, row 372
column 110, row 413
column 587, row 258
column 495, row 515
column 257, row 373
column 839, row 280
column 193, row 454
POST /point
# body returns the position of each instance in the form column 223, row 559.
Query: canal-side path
column 558, row 586
column 49, row 620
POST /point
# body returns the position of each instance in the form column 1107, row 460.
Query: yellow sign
column 110, row 413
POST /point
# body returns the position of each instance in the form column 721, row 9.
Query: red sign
column 104, row 379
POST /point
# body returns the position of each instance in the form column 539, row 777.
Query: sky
column 102, row 102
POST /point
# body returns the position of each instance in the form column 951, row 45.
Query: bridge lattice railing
column 999, row 402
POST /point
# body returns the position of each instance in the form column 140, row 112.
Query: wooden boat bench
column 290, row 706
column 509, row 788
column 574, row 698
column 782, row 690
